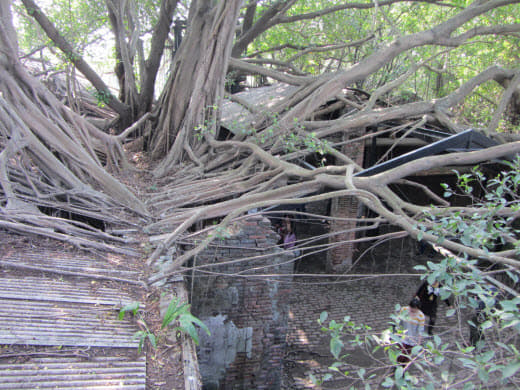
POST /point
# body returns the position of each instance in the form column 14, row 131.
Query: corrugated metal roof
column 62, row 290
column 48, row 323
column 69, row 263
column 54, row 373
column 466, row 140
column 41, row 311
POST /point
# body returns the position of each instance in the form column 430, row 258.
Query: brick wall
column 247, row 314
column 340, row 256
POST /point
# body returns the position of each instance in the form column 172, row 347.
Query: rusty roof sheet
column 31, row 322
column 80, row 263
column 41, row 311
column 59, row 289
column 112, row 372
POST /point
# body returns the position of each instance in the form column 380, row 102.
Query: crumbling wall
column 245, row 306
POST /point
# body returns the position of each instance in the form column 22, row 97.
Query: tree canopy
column 357, row 69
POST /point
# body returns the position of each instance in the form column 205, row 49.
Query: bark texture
column 196, row 84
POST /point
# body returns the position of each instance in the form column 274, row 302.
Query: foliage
column 102, row 97
column 144, row 333
column 65, row 15
column 317, row 45
column 488, row 227
column 179, row 313
column 209, row 125
column 91, row 37
column 493, row 358
column 328, row 30
column 447, row 68
column 313, row 45
column 176, row 313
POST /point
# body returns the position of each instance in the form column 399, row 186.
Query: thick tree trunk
column 196, row 84
column 151, row 65
column 129, row 53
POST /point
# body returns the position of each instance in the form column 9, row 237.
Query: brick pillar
column 341, row 255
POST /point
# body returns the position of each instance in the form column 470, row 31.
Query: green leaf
column 438, row 359
column 483, row 375
column 392, row 355
column 188, row 317
column 509, row 305
column 399, row 372
column 486, row 324
column 512, row 276
column 172, row 312
column 191, row 331
column 487, row 356
column 468, row 362
column 323, row 317
column 141, row 343
column 335, row 367
column 131, row 307
column 508, row 324
column 142, row 336
column 336, row 345
column 388, row 382
column 152, row 339
column 510, row 370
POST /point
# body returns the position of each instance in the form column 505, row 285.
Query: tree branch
column 75, row 58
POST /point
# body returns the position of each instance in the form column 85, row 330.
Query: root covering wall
column 245, row 305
